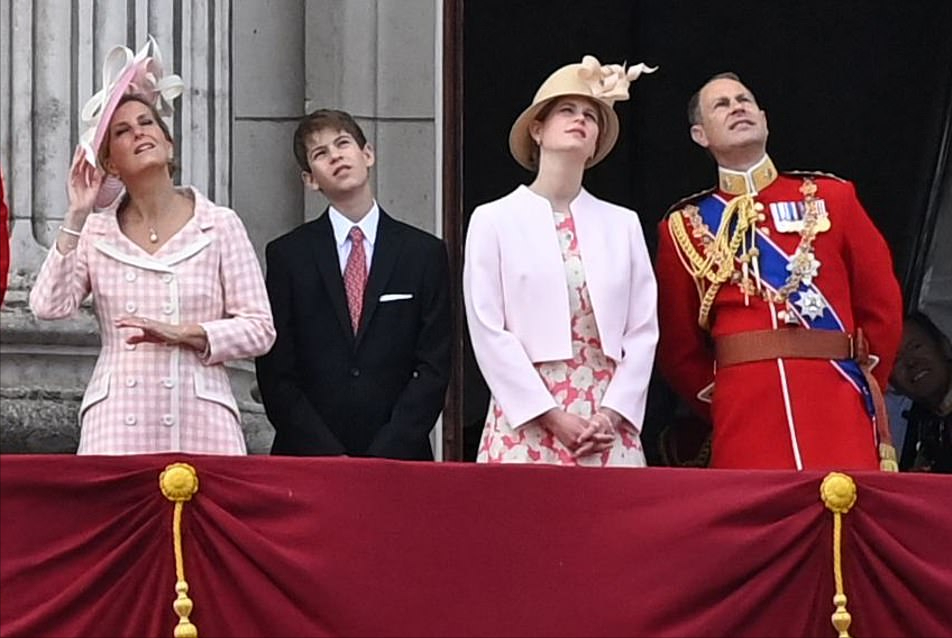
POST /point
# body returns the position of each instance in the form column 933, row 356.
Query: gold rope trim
column 178, row 483
column 717, row 264
column 838, row 492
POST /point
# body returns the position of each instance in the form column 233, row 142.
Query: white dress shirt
column 342, row 226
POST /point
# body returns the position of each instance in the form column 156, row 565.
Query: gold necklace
column 153, row 236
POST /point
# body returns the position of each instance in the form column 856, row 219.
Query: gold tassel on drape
column 838, row 492
column 178, row 483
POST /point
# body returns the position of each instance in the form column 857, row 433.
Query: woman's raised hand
column 82, row 187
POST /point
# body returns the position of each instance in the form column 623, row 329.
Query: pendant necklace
column 153, row 236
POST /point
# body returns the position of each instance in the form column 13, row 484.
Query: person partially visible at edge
column 777, row 299
column 559, row 292
column 176, row 285
column 362, row 308
column 923, row 372
column 4, row 240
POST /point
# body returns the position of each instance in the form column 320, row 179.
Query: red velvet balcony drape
column 322, row 547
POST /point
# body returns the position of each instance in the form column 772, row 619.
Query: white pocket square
column 398, row 296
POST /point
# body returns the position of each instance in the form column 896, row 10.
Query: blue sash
column 773, row 274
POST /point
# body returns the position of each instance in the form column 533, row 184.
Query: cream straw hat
column 603, row 84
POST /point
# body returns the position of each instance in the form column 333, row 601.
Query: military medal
column 811, row 304
column 788, row 216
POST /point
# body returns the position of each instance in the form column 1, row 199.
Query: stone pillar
column 268, row 74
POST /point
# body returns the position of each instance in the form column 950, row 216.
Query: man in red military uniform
column 777, row 299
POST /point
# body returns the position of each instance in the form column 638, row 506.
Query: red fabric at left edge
column 310, row 547
column 4, row 239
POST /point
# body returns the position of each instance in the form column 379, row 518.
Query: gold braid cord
column 178, row 483
column 716, row 266
column 838, row 492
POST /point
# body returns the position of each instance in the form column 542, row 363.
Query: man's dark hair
column 694, row 104
column 320, row 120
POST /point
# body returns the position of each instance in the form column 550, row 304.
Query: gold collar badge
column 751, row 181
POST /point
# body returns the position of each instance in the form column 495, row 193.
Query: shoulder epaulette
column 814, row 174
column 689, row 199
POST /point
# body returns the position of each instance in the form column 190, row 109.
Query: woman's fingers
column 584, row 449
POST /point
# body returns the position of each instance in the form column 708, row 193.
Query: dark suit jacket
column 376, row 393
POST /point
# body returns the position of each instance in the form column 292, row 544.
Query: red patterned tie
column 355, row 276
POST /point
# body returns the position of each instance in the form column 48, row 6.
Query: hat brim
column 524, row 149
column 112, row 186
column 119, row 89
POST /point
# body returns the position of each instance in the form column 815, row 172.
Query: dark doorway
column 859, row 89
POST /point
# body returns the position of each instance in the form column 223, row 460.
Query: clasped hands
column 580, row 435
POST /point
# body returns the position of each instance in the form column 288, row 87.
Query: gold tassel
column 887, row 458
column 717, row 264
column 178, row 483
column 838, row 492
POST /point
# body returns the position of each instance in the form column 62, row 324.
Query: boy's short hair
column 320, row 120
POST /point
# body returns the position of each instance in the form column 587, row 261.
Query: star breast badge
column 811, row 304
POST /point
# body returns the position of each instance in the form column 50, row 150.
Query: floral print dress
column 577, row 385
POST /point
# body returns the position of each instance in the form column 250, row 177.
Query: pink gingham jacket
column 145, row 397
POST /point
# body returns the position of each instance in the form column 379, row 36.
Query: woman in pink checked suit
column 174, row 278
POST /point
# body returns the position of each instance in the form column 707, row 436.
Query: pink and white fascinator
column 123, row 73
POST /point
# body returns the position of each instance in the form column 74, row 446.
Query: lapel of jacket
column 328, row 265
column 597, row 235
column 386, row 249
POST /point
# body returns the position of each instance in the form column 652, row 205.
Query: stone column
column 268, row 40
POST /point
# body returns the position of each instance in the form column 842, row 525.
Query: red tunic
column 785, row 413
column 4, row 241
